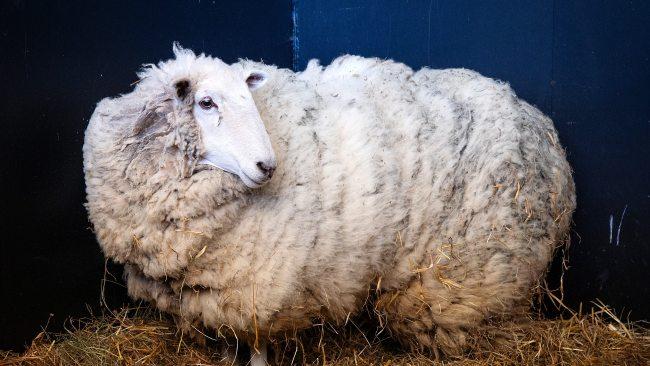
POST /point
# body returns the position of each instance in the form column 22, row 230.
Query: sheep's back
column 388, row 168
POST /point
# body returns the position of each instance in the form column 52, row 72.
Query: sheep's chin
column 248, row 182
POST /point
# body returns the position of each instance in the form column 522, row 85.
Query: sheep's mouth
column 249, row 181
column 256, row 182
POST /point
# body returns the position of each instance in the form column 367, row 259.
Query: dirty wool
column 439, row 189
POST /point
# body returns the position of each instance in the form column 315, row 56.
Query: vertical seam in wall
column 553, row 82
column 295, row 41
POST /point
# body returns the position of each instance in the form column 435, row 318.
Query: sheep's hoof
column 258, row 357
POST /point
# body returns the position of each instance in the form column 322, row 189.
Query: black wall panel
column 601, row 105
column 57, row 59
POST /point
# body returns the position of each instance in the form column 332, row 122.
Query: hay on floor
column 145, row 337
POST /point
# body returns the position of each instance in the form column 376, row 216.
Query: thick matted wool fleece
column 438, row 188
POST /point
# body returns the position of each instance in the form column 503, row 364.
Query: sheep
column 257, row 199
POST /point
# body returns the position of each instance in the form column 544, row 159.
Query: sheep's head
column 233, row 134
column 213, row 99
column 170, row 164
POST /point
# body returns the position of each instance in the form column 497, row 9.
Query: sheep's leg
column 259, row 359
column 429, row 316
column 440, row 306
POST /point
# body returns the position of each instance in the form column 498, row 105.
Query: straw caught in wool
column 470, row 178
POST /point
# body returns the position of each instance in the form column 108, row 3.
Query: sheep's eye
column 207, row 103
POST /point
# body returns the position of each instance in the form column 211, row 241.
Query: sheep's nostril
column 268, row 170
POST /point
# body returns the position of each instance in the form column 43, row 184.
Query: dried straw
column 145, row 337
column 132, row 336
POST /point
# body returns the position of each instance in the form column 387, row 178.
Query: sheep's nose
column 267, row 169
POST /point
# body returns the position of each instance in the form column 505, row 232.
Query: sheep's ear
column 256, row 79
column 182, row 88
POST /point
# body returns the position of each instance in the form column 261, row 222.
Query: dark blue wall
column 584, row 63
column 57, row 59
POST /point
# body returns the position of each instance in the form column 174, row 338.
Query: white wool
column 439, row 189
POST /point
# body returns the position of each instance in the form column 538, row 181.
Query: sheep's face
column 233, row 134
